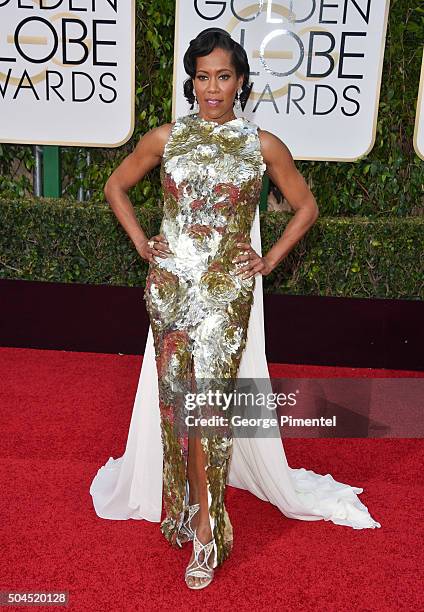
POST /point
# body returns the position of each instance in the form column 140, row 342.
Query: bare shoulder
column 272, row 147
column 162, row 133
column 155, row 140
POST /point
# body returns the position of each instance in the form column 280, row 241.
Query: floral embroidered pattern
column 199, row 308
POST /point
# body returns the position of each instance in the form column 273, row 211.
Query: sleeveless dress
column 198, row 306
column 198, row 311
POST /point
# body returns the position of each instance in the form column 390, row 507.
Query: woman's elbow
column 106, row 189
column 109, row 188
column 314, row 208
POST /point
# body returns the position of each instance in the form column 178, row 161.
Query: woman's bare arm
column 282, row 171
column 146, row 155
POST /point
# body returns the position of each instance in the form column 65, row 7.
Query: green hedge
column 386, row 182
column 61, row 241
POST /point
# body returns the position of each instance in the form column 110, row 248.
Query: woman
column 203, row 294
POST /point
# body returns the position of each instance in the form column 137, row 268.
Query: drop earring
column 237, row 100
column 196, row 103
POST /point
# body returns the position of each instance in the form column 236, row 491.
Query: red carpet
column 63, row 414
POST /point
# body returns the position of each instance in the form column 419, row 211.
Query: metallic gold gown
column 199, row 308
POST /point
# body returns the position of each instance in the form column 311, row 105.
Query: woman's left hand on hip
column 253, row 263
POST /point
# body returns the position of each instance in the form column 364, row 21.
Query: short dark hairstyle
column 204, row 43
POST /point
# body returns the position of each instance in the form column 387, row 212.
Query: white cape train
column 130, row 487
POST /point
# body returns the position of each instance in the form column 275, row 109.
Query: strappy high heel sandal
column 186, row 529
column 200, row 568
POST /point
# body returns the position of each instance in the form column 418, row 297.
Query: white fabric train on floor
column 131, row 485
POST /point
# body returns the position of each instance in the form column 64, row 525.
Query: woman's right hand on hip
column 157, row 246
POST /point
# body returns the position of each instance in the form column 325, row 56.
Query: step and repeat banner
column 67, row 72
column 316, row 68
column 419, row 118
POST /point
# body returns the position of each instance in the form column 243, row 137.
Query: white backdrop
column 419, row 118
column 67, row 76
column 323, row 107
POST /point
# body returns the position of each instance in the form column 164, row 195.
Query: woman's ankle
column 203, row 530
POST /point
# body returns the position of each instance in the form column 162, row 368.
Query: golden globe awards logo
column 315, row 67
column 67, row 61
